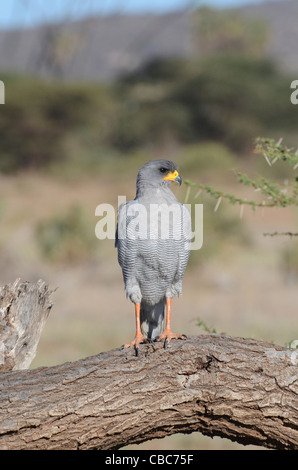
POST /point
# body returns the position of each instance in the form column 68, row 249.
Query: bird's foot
column 167, row 336
column 139, row 339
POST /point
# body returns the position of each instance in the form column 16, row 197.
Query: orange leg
column 167, row 334
column 140, row 338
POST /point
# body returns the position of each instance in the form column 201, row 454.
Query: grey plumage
column 152, row 238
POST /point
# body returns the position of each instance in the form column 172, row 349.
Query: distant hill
column 282, row 16
column 96, row 48
column 102, row 48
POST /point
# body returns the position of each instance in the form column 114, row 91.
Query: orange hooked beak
column 173, row 176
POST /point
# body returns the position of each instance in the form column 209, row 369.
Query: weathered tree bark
column 241, row 389
column 24, row 308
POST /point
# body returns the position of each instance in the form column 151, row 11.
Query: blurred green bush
column 39, row 118
column 66, row 237
column 227, row 99
column 206, row 156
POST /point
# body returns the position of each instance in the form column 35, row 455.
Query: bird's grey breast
column 152, row 242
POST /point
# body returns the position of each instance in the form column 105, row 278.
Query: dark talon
column 137, row 352
column 165, row 345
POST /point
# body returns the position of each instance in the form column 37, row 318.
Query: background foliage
column 229, row 99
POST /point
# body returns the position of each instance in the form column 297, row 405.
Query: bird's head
column 157, row 173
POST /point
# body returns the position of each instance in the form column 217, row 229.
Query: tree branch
column 241, row 389
column 24, row 308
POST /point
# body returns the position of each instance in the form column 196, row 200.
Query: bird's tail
column 153, row 319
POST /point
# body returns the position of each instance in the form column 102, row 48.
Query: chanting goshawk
column 153, row 241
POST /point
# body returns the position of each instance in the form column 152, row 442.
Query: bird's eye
column 163, row 170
